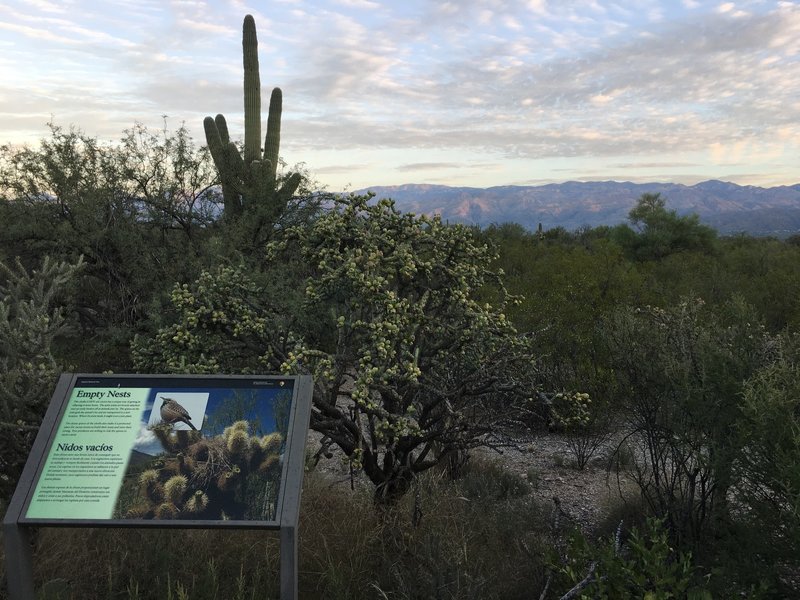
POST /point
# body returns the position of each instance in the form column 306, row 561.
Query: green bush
column 645, row 566
column 488, row 480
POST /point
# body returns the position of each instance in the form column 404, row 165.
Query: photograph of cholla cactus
column 212, row 454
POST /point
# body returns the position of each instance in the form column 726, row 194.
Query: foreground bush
column 643, row 566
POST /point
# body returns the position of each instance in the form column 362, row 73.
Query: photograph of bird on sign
column 172, row 412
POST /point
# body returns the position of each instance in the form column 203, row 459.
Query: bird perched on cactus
column 172, row 412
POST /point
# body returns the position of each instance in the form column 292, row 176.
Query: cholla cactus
column 237, row 441
column 570, row 410
column 197, row 503
column 175, row 441
column 232, row 475
column 175, row 488
column 403, row 339
column 33, row 315
column 150, row 485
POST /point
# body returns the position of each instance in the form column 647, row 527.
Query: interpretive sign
column 168, row 451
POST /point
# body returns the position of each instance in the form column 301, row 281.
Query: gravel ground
column 585, row 496
column 545, row 460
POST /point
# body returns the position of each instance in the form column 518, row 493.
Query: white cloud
column 537, row 6
column 36, row 33
column 525, row 81
column 45, row 6
column 601, row 99
column 363, row 4
column 147, row 442
column 206, row 27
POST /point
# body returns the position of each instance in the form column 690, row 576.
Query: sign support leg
column 288, row 567
column 19, row 561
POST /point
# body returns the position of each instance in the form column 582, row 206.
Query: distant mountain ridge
column 728, row 207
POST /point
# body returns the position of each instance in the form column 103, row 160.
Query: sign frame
column 17, row 525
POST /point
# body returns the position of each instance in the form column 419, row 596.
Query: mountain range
column 728, row 207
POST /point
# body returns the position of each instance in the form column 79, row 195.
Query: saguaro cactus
column 251, row 179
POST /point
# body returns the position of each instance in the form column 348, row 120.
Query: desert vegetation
column 426, row 341
column 665, row 352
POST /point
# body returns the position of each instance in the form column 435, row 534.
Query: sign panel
column 167, row 450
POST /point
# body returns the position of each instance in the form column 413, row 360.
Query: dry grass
column 479, row 537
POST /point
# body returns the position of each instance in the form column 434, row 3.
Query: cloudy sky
column 461, row 92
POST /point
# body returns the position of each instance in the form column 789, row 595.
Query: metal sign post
column 110, row 447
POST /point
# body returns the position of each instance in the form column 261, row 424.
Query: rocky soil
column 586, row 496
column 545, row 460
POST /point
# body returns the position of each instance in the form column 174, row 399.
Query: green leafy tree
column 409, row 367
column 650, row 209
column 663, row 232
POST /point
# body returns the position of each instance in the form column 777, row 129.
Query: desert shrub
column 680, row 372
column 623, row 458
column 587, row 427
column 111, row 563
column 642, row 566
column 488, row 480
column 479, row 537
column 768, row 489
column 140, row 211
column 622, row 503
column 33, row 314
